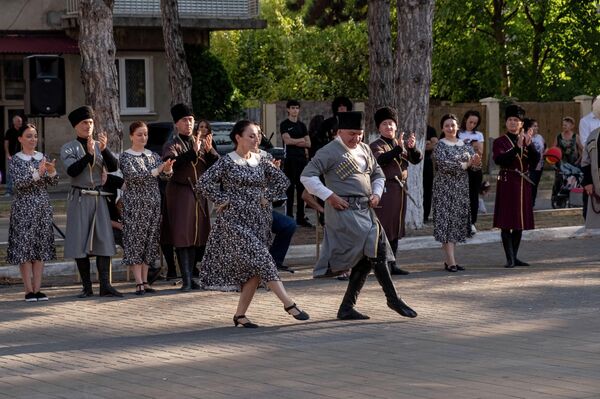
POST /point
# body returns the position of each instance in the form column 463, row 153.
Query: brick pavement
column 488, row 332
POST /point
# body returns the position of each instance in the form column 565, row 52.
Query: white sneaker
column 473, row 229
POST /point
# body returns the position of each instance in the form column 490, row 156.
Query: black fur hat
column 351, row 120
column 385, row 113
column 80, row 114
column 514, row 110
column 179, row 111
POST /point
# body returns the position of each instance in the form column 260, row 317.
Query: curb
column 308, row 252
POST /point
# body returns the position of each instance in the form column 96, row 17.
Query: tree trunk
column 98, row 70
column 180, row 79
column 413, row 80
column 381, row 61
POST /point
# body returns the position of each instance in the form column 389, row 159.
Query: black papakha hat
column 179, row 111
column 81, row 114
column 385, row 113
column 351, row 120
column 514, row 110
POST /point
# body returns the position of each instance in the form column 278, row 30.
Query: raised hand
column 102, row 141
column 91, row 145
column 166, row 166
column 42, row 168
column 208, row 142
column 520, row 139
column 412, row 140
column 50, row 166
column 196, row 143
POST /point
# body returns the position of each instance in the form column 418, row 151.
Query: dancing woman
column 242, row 186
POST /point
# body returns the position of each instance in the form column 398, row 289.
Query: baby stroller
column 568, row 179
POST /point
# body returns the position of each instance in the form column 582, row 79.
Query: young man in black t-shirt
column 297, row 142
column 11, row 147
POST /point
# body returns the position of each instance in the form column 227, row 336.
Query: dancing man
column 353, row 187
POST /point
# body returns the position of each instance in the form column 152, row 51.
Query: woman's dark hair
column 314, row 124
column 208, row 126
column 136, row 125
column 341, row 100
column 238, row 129
column 471, row 112
column 569, row 119
column 25, row 127
column 445, row 117
column 527, row 123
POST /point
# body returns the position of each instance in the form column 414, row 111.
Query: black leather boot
column 103, row 265
column 394, row 302
column 507, row 243
column 396, row 271
column 356, row 281
column 168, row 253
column 516, row 242
column 184, row 268
column 83, row 265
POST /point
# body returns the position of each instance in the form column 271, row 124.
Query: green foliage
column 291, row 60
column 467, row 58
column 316, row 49
column 213, row 94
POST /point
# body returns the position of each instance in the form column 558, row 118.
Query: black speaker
column 44, row 85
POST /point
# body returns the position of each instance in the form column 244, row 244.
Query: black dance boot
column 507, row 243
column 167, row 250
column 184, row 268
column 516, row 242
column 394, row 302
column 395, row 270
column 103, row 265
column 356, row 281
column 83, row 265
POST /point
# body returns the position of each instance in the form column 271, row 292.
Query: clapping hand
column 412, row 141
column 102, row 141
column 166, row 166
column 196, row 143
column 91, row 145
column 50, row 166
column 207, row 142
column 475, row 160
column 42, row 168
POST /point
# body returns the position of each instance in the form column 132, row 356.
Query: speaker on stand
column 44, row 89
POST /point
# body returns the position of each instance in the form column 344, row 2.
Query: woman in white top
column 469, row 134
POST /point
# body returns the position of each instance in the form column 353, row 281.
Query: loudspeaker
column 44, row 85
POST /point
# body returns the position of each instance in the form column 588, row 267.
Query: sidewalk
column 488, row 332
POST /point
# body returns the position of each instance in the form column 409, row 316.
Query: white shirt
column 467, row 137
column 587, row 124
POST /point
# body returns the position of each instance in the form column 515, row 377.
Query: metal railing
column 187, row 8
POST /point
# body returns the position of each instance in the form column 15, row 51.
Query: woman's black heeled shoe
column 460, row 268
column 148, row 289
column 302, row 315
column 451, row 268
column 248, row 324
column 139, row 289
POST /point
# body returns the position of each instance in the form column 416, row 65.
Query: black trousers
column 475, row 180
column 293, row 167
column 427, row 187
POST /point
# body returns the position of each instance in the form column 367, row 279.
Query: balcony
column 193, row 14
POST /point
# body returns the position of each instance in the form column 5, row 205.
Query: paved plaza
column 488, row 332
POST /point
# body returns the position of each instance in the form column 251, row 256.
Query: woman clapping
column 30, row 235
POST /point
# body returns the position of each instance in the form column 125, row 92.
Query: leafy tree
column 213, row 94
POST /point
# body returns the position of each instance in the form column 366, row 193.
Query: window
column 13, row 84
column 135, row 85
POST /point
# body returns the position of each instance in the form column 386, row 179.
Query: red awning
column 23, row 44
